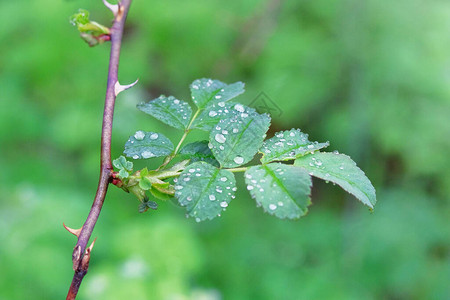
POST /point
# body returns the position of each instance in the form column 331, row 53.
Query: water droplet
column 249, row 187
column 176, row 101
column 187, row 178
column 191, row 170
column 220, row 138
column 197, row 220
column 310, row 146
column 235, row 130
column 189, row 198
column 198, row 174
column 223, row 179
column 292, row 134
column 212, row 113
column 147, row 154
column 244, row 115
column 335, row 152
column 239, row 160
column 219, row 190
column 223, row 204
column 239, row 108
column 218, row 96
column 280, row 203
column 154, row 136
column 221, row 104
column 140, row 135
column 212, row 197
column 195, row 87
column 135, row 156
column 272, row 206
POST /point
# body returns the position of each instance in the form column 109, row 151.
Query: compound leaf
column 342, row 170
column 282, row 190
column 169, row 110
column 236, row 139
column 144, row 145
column 199, row 151
column 206, row 91
column 287, row 145
column 205, row 190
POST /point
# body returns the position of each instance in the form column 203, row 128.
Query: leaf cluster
column 203, row 180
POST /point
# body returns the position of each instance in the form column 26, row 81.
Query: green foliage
column 288, row 145
column 342, row 170
column 205, row 190
column 236, row 139
column 168, row 110
column 143, row 145
column 282, row 190
column 125, row 167
column 204, row 182
column 90, row 31
column 207, row 91
column 199, row 151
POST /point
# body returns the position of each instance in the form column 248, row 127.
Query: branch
column 81, row 255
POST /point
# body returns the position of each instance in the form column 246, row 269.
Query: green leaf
column 160, row 195
column 205, row 91
column 287, row 145
column 145, row 183
column 205, row 190
column 199, row 151
column 235, row 140
column 169, row 110
column 125, row 167
column 122, row 163
column 211, row 115
column 123, row 174
column 144, row 206
column 282, row 190
column 147, row 144
column 342, row 170
column 83, row 24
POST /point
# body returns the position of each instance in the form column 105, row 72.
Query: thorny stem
column 81, row 255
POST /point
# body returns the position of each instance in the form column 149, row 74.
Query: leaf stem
column 81, row 255
column 236, row 170
column 177, row 148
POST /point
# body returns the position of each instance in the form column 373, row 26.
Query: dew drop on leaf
column 147, row 154
column 239, row 108
column 220, row 138
column 239, row 160
column 139, row 135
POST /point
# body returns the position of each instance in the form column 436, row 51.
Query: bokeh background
column 372, row 77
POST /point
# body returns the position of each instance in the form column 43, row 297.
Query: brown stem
column 81, row 255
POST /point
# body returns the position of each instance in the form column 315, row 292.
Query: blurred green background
column 372, row 77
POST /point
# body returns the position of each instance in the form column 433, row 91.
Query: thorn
column 75, row 232
column 120, row 88
column 87, row 257
column 88, row 250
column 112, row 7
